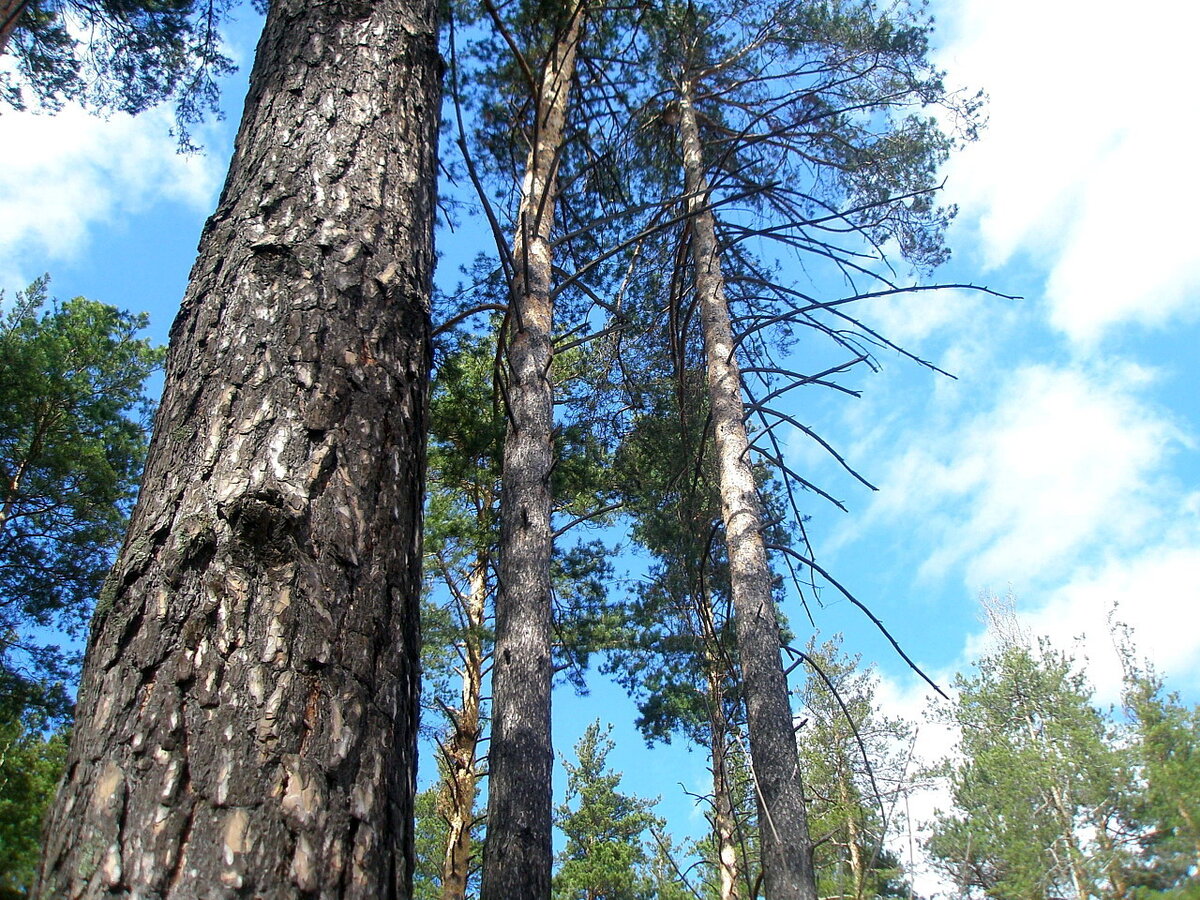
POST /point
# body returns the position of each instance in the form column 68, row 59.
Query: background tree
column 1037, row 775
column 462, row 543
column 31, row 761
column 608, row 842
column 1162, row 843
column 432, row 837
column 678, row 655
column 247, row 713
column 856, row 763
column 462, row 517
column 812, row 117
column 73, row 419
column 518, row 854
column 116, row 55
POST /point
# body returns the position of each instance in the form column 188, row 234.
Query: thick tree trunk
column 517, row 850
column 246, row 722
column 459, row 752
column 787, row 848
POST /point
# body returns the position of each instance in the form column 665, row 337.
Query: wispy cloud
column 1154, row 592
column 1059, row 464
column 64, row 177
column 1086, row 166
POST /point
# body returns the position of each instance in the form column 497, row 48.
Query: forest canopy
column 678, row 218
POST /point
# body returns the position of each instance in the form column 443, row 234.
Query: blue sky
column 1063, row 462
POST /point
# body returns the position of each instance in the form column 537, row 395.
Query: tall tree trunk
column 724, row 819
column 459, row 752
column 246, row 722
column 517, row 849
column 787, row 848
column 854, row 836
column 724, row 823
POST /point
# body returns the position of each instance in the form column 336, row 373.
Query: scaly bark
column 786, row 845
column 517, row 849
column 246, row 723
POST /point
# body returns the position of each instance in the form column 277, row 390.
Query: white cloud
column 1086, row 163
column 1155, row 593
column 1066, row 462
column 909, row 319
column 65, row 176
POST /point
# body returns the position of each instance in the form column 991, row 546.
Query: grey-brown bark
column 724, row 822
column 783, row 825
column 246, row 722
column 517, row 850
column 456, row 800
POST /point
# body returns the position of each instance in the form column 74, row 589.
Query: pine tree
column 31, row 761
column 247, row 715
column 855, row 761
column 126, row 55
column 1037, row 774
column 73, row 420
column 787, row 110
column 462, row 543
column 1162, row 840
column 607, row 854
column 518, row 852
column 462, row 515
column 678, row 656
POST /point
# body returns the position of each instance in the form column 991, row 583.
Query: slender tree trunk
column 246, row 722
column 724, row 823
column 12, row 492
column 1118, row 883
column 724, row 820
column 1079, row 879
column 787, row 848
column 1193, row 831
column 518, row 851
column 858, row 868
column 462, row 775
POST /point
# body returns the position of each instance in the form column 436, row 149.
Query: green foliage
column 431, row 834
column 1038, row 772
column 1054, row 797
column 677, row 629
column 1166, row 753
column 30, row 764
column 136, row 53
column 73, row 416
column 855, row 764
column 607, row 854
column 461, row 508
